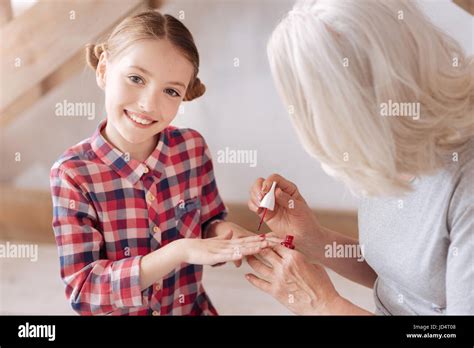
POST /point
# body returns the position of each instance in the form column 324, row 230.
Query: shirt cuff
column 125, row 282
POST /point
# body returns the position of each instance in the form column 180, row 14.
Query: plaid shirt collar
column 123, row 164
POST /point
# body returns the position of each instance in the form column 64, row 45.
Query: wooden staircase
column 44, row 46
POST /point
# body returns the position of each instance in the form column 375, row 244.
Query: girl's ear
column 101, row 70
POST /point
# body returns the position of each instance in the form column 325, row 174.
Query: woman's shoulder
column 460, row 162
column 461, row 175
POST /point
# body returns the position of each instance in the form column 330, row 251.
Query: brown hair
column 151, row 25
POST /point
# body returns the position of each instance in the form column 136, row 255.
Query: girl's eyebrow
column 150, row 74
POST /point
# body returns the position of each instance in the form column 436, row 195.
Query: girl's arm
column 158, row 263
column 94, row 285
column 210, row 251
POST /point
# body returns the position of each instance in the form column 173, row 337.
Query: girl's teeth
column 139, row 120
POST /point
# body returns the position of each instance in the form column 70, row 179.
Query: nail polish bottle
column 288, row 242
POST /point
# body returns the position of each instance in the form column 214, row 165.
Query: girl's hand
column 302, row 287
column 219, row 249
column 222, row 228
column 291, row 215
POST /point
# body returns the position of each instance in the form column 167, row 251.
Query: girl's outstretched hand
column 222, row 228
column 223, row 248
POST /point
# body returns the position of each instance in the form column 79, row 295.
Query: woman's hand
column 302, row 287
column 291, row 215
column 219, row 249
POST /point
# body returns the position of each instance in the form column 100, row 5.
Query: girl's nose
column 149, row 105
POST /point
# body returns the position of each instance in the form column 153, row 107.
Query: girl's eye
column 136, row 79
column 171, row 92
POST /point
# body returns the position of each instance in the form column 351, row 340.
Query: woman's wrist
column 325, row 237
column 313, row 243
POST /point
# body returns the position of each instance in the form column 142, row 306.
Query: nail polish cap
column 269, row 200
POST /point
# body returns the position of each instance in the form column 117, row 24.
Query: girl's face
column 144, row 86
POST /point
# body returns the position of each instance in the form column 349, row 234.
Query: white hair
column 337, row 63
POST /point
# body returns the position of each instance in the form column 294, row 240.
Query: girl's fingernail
column 262, row 236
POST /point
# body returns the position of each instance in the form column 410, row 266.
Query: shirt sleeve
column 460, row 262
column 94, row 284
column 212, row 206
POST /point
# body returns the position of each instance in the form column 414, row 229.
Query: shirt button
column 155, row 313
column 146, row 170
column 149, row 197
column 156, row 229
column 157, row 287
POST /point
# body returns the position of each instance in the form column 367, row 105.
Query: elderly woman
column 384, row 100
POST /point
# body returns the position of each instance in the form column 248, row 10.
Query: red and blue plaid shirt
column 110, row 210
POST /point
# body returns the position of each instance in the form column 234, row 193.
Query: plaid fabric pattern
column 109, row 210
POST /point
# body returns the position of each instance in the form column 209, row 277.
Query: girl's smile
column 139, row 120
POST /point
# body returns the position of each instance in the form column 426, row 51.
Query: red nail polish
column 288, row 242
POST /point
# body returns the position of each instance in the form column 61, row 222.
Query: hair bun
column 93, row 53
column 196, row 90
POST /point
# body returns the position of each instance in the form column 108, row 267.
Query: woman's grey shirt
column 422, row 245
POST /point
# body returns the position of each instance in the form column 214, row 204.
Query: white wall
column 240, row 110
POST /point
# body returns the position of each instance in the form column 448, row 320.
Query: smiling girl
column 136, row 207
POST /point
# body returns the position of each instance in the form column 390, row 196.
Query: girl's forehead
column 157, row 56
